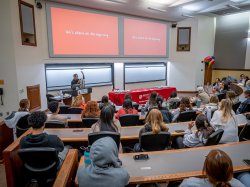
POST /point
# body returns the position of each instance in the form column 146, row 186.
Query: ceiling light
column 161, row 1
column 180, row 2
column 249, row 31
column 238, row 1
column 157, row 9
column 116, row 1
column 191, row 7
column 187, row 16
column 234, row 7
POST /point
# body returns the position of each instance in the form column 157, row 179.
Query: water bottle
column 143, row 111
column 87, row 160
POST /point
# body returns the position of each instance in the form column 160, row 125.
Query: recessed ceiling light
column 238, row 1
column 116, row 1
column 157, row 9
column 234, row 7
column 161, row 1
column 191, row 7
column 249, row 31
column 180, row 2
column 187, row 16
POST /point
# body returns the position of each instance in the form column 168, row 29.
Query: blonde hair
column 92, row 110
column 226, row 108
column 214, row 99
column 78, row 101
column 155, row 119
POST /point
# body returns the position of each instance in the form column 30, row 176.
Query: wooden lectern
column 208, row 74
column 86, row 93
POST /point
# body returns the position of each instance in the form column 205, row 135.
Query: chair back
column 186, row 116
column 246, row 109
column 245, row 133
column 64, row 109
column 54, row 124
column 75, row 110
column 92, row 137
column 129, row 120
column 236, row 106
column 88, row 122
column 136, row 106
column 40, row 164
column 155, row 142
column 221, row 96
column 215, row 137
column 22, row 125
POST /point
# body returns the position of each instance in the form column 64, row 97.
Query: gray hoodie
column 105, row 169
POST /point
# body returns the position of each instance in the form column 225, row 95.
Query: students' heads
column 53, row 106
column 247, row 94
column 242, row 76
column 185, row 103
column 127, row 96
column 75, row 76
column 159, row 101
column 105, row 99
column 201, row 122
column 155, row 119
column 200, row 89
column 37, row 119
column 106, row 119
column 92, row 106
column 78, row 101
column 226, row 108
column 218, row 168
column 127, row 104
column 231, row 95
column 173, row 95
column 214, row 99
column 217, row 80
column 24, row 105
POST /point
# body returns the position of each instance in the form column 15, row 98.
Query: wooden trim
column 35, row 99
column 187, row 92
column 224, row 69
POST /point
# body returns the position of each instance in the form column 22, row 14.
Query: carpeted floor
column 2, row 176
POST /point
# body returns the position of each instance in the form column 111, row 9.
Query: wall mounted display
column 183, row 38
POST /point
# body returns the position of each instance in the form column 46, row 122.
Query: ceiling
column 167, row 10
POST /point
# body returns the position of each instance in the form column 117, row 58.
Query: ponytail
column 222, row 184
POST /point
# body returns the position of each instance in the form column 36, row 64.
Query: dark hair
column 173, row 95
column 75, row 75
column 247, row 92
column 37, row 119
column 24, row 105
column 53, row 106
column 203, row 126
column 127, row 104
column 159, row 101
column 225, row 86
column 105, row 99
column 106, row 119
column 231, row 95
column 218, row 79
column 127, row 96
column 152, row 98
column 247, row 78
column 219, row 168
column 185, row 103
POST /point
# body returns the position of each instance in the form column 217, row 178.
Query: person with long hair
column 185, row 105
column 79, row 102
column 167, row 116
column 154, row 124
column 104, row 102
column 173, row 101
column 152, row 101
column 199, row 138
column 107, row 122
column 232, row 96
column 218, row 168
column 91, row 111
column 225, row 119
column 127, row 108
column 211, row 106
column 24, row 105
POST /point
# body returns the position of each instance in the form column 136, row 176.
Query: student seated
column 225, row 119
column 12, row 120
column 105, row 168
column 185, row 105
column 154, row 123
column 107, row 121
column 91, row 111
column 232, row 96
column 173, row 101
column 79, row 102
column 198, row 138
column 104, row 102
column 218, row 169
column 53, row 107
column 243, row 105
column 128, row 96
column 202, row 96
column 37, row 138
column 152, row 101
column 127, row 108
column 211, row 107
column 223, row 88
column 167, row 116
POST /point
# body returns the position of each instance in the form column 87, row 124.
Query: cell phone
column 141, row 157
column 178, row 131
column 76, row 130
column 247, row 162
column 68, row 117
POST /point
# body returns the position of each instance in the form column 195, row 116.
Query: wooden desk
column 6, row 137
column 173, row 165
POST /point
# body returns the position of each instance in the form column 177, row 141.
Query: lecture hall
column 125, row 93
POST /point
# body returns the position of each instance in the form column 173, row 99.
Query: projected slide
column 78, row 33
column 144, row 38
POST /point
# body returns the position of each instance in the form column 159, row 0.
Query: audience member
column 107, row 121
column 244, row 178
column 91, row 111
column 79, row 102
column 167, row 116
column 247, row 85
column 105, row 168
column 243, row 106
column 37, row 138
column 216, row 84
column 225, row 119
column 231, row 95
column 223, row 88
column 154, row 124
column 247, row 79
column 185, row 105
column 12, row 120
column 218, row 169
column 127, row 108
column 202, row 96
column 173, row 101
column 152, row 101
column 198, row 138
column 211, row 107
column 242, row 79
column 54, row 108
column 104, row 102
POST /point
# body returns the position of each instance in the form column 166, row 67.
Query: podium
column 86, row 93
